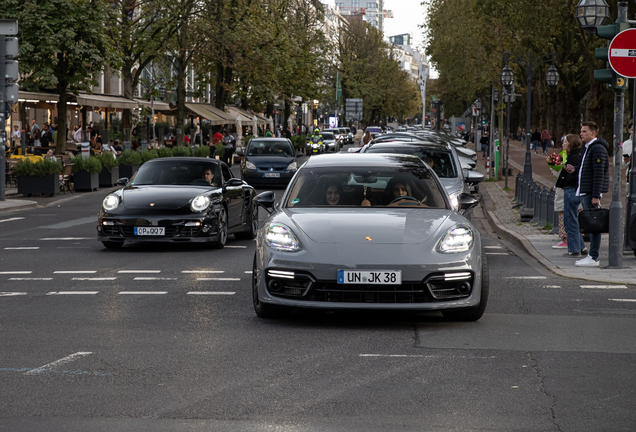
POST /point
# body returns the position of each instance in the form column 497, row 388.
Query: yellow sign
column 620, row 82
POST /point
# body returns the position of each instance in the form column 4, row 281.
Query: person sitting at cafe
column 117, row 147
column 50, row 155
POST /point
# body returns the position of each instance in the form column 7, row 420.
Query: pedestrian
column 523, row 137
column 46, row 137
column 593, row 182
column 573, row 146
column 268, row 133
column 536, row 138
column 230, row 145
column 559, row 201
column 287, row 134
column 367, row 138
column 77, row 135
column 16, row 136
column 358, row 138
column 627, row 149
column 519, row 133
column 545, row 140
column 485, row 144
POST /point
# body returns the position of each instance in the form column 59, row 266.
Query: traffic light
column 11, row 70
column 615, row 81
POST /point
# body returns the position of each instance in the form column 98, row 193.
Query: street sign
column 354, row 109
column 622, row 53
column 8, row 27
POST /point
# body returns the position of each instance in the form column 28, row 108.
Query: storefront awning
column 157, row 105
column 104, row 101
column 35, row 97
column 246, row 116
column 211, row 113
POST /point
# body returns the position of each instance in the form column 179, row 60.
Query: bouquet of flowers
column 555, row 161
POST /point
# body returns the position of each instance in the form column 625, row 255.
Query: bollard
column 536, row 203
column 516, row 199
column 543, row 211
column 553, row 216
column 527, row 211
column 523, row 194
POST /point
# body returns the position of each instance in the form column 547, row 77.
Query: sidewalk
column 11, row 204
column 538, row 243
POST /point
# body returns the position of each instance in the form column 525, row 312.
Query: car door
column 234, row 197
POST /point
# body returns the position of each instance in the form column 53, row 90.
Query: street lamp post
column 552, row 79
column 477, row 105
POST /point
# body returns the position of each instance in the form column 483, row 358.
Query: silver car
column 375, row 231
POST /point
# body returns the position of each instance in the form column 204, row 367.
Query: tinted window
column 176, row 173
column 409, row 186
column 270, row 148
column 441, row 161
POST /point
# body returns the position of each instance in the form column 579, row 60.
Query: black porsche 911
column 179, row 199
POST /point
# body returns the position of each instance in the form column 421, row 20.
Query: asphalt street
column 164, row 338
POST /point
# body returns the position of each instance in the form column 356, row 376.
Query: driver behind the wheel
column 208, row 176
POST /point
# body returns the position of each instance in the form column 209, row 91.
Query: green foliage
column 219, row 149
column 91, row 165
column 26, row 168
column 245, row 139
column 165, row 152
column 203, row 151
column 180, row 151
column 299, row 141
column 146, row 155
column 130, row 157
column 108, row 160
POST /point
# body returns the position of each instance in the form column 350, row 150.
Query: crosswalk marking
column 493, row 247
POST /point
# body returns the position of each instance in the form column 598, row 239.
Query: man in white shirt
column 627, row 149
column 77, row 136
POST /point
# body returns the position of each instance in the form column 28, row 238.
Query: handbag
column 594, row 220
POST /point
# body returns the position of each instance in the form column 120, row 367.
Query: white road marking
column 22, row 248
column 11, row 294
column 30, row 279
column 61, row 361
column 210, row 293
column 398, row 355
column 248, row 272
column 143, row 292
column 218, row 279
column 11, row 219
column 623, row 300
column 604, row 286
column 16, row 272
column 152, row 278
column 72, row 292
column 74, row 271
column 493, row 247
column 95, row 279
column 68, row 238
column 552, row 286
column 526, row 277
column 139, row 271
column 236, row 247
column 496, row 253
column 202, row 271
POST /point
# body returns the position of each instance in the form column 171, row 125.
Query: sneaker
column 584, row 251
column 588, row 261
column 561, row 245
column 572, row 254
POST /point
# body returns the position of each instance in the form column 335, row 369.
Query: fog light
column 195, row 223
column 108, row 223
column 463, row 288
column 275, row 286
column 206, row 228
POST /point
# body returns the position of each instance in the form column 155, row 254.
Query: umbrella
column 290, row 123
column 271, row 125
column 239, row 128
column 255, row 126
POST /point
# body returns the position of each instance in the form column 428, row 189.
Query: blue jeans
column 535, row 145
column 595, row 239
column 546, row 145
column 571, row 220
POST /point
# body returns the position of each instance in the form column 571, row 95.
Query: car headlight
column 250, row 166
column 111, row 202
column 279, row 237
column 331, row 144
column 454, row 199
column 292, row 166
column 200, row 203
column 457, row 239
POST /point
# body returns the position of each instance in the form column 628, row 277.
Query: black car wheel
column 474, row 313
column 264, row 310
column 112, row 245
column 252, row 222
column 221, row 236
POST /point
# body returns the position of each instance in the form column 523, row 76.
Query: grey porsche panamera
column 372, row 232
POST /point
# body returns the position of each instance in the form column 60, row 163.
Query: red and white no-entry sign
column 622, row 53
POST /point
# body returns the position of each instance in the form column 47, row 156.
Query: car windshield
column 328, row 136
column 441, row 161
column 410, row 185
column 270, row 148
column 170, row 172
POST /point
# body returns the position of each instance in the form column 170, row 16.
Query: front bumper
column 122, row 229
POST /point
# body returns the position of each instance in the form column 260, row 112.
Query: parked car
column 179, row 199
column 372, row 231
column 268, row 162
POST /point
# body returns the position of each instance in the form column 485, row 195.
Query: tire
column 474, row 313
column 221, row 239
column 112, row 244
column 253, row 225
column 264, row 310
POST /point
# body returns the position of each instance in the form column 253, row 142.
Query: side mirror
column 240, row 152
column 122, row 181
column 467, row 201
column 234, row 182
column 473, row 177
column 266, row 200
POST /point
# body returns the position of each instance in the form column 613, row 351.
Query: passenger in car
column 332, row 194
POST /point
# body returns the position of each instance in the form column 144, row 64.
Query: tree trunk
column 219, row 97
column 60, row 144
column 286, row 114
column 129, row 92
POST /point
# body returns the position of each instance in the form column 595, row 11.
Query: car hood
column 383, row 226
column 266, row 162
column 162, row 197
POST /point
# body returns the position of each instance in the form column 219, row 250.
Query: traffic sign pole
column 3, row 110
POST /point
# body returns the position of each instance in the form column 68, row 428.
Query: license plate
column 272, row 175
column 150, row 231
column 370, row 277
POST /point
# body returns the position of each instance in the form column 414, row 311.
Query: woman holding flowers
column 556, row 163
column 574, row 148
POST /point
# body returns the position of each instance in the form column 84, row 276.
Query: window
column 355, row 3
column 373, row 5
column 339, row 5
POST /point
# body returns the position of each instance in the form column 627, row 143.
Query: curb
column 24, row 206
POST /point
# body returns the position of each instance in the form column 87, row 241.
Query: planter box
column 47, row 185
column 127, row 171
column 108, row 178
column 85, row 181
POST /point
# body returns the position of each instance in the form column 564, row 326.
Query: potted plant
column 203, row 151
column 109, row 174
column 181, row 151
column 129, row 163
column 42, row 177
column 164, row 152
column 86, row 173
column 146, row 155
column 219, row 150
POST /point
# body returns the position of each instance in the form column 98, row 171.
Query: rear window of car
column 328, row 136
column 270, row 148
column 441, row 161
